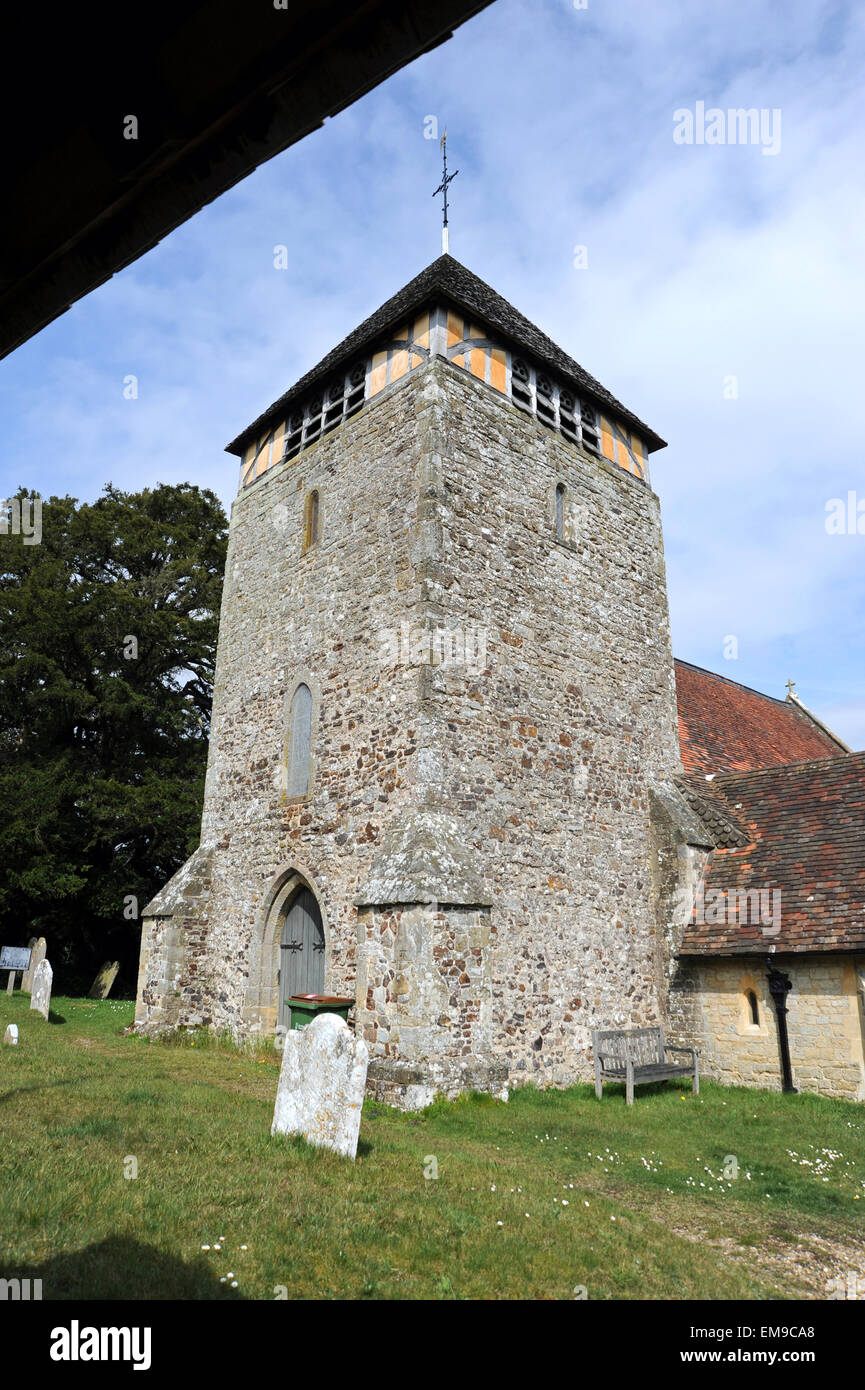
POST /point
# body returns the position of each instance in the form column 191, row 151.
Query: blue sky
column 705, row 262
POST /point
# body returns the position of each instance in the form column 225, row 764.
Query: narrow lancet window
column 299, row 742
column 560, row 512
column 311, row 526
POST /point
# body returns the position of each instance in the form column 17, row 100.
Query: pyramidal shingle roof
column 446, row 279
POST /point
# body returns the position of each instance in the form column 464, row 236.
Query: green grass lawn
column 533, row 1198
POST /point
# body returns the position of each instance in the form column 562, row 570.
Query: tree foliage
column 107, row 647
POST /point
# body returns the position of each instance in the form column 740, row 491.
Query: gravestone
column 40, row 999
column 321, row 1085
column 101, row 987
column 11, row 1035
column 38, row 949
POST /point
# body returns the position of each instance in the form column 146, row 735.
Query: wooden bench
column 638, row 1056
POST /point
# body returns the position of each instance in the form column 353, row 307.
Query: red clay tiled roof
column 807, row 823
column 725, row 727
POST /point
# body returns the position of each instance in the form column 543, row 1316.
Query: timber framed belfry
column 443, row 714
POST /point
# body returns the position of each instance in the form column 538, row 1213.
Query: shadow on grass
column 119, row 1269
column 615, row 1090
column 42, row 1086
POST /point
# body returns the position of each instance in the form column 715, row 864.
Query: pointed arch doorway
column 301, row 952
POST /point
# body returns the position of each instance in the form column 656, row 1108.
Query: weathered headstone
column 40, row 998
column 101, row 987
column 39, row 949
column 11, row 1034
column 321, row 1085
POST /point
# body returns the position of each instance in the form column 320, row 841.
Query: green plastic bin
column 306, row 1007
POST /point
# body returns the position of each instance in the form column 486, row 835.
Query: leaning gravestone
column 321, row 1085
column 11, row 1034
column 101, row 987
column 40, row 999
column 38, row 951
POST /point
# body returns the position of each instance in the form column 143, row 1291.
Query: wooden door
column 301, row 952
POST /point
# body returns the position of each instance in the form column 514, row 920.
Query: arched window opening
column 299, row 742
column 560, row 512
column 754, row 1007
column 311, row 527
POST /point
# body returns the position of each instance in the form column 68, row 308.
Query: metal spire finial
column 443, row 188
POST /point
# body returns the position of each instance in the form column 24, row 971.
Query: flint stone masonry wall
column 709, row 1008
column 537, row 920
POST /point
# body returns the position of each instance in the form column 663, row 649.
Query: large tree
column 107, row 645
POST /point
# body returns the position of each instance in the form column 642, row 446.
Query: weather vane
column 443, row 188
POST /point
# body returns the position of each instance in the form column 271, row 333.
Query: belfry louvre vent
column 466, row 344
column 555, row 406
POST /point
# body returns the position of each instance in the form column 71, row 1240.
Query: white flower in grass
column 234, row 1283
column 564, row 1201
column 205, row 1247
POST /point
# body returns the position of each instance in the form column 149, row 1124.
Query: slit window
column 560, row 512
column 312, row 521
column 754, row 1008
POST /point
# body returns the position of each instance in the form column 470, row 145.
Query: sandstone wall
column 709, row 1008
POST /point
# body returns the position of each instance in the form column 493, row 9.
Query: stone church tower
column 444, row 716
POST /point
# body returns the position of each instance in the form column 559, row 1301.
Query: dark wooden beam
column 217, row 88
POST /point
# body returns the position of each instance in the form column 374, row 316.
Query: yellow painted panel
column 378, row 375
column 401, row 333
column 398, row 364
column 455, row 328
column 416, row 360
column 476, row 331
column 498, row 369
column 478, row 360
column 421, row 331
column 458, row 360
column 278, row 438
column 608, row 446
